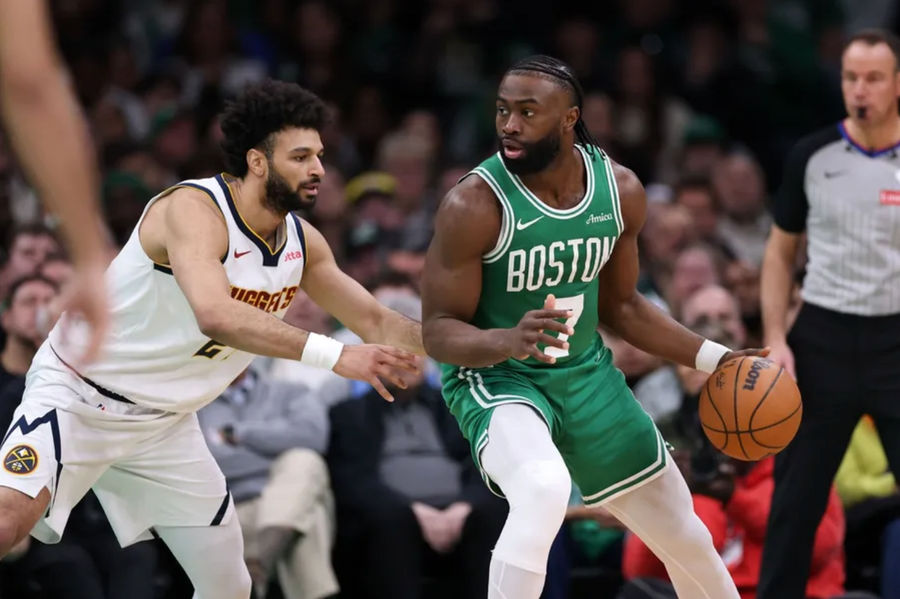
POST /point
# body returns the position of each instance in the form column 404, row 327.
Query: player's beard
column 281, row 197
column 536, row 156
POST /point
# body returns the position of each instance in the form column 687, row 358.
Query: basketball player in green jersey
column 47, row 132
column 532, row 250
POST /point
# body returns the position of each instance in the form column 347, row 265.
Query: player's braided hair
column 560, row 73
column 261, row 110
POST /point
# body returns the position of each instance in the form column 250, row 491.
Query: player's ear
column 257, row 163
column 571, row 118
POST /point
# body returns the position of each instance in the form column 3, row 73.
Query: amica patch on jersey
column 21, row 459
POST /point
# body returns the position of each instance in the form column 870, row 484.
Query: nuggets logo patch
column 21, row 459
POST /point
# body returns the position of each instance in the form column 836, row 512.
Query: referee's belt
column 101, row 390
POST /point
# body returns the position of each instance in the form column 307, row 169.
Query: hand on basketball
column 372, row 363
column 756, row 351
column 522, row 340
column 782, row 355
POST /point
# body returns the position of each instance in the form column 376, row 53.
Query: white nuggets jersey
column 155, row 354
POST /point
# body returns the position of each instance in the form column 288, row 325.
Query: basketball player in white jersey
column 198, row 289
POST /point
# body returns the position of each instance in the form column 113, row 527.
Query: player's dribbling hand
column 371, row 363
column 782, row 355
column 762, row 352
column 522, row 340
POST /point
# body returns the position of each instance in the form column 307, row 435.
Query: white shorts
column 147, row 467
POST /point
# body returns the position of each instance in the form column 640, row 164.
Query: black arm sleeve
column 791, row 206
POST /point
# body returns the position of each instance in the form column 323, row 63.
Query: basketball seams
column 718, row 413
column 737, row 426
column 783, row 420
column 762, row 399
column 750, row 431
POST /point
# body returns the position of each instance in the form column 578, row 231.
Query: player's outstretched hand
column 755, row 351
column 522, row 340
column 85, row 298
column 371, row 363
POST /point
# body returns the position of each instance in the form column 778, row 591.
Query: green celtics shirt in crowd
column 543, row 250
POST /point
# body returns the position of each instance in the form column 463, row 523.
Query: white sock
column 510, row 582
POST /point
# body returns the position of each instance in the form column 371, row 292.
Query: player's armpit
column 467, row 226
column 620, row 306
column 350, row 303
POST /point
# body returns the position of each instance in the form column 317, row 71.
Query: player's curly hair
column 265, row 108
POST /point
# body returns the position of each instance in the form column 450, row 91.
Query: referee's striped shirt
column 847, row 199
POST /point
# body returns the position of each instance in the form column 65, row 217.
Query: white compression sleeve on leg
column 661, row 513
column 212, row 557
column 522, row 460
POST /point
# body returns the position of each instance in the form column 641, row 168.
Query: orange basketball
column 750, row 408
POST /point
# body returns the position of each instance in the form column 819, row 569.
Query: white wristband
column 708, row 356
column 321, row 351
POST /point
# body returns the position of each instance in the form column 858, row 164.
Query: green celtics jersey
column 543, row 250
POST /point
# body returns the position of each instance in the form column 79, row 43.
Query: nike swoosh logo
column 239, row 254
column 833, row 174
column 520, row 226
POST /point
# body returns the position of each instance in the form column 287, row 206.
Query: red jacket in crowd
column 738, row 530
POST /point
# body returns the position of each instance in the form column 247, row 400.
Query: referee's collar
column 870, row 153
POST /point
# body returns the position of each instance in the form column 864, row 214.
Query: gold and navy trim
column 167, row 268
column 270, row 256
column 300, row 236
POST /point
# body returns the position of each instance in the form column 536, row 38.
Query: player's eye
column 528, row 113
column 501, row 110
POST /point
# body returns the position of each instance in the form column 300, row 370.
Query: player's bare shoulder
column 632, row 197
column 184, row 205
column 469, row 215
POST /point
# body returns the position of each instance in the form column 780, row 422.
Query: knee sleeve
column 522, row 460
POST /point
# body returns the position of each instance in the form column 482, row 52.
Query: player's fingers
column 389, row 374
column 550, row 314
column 546, row 324
column 398, row 362
column 553, row 341
column 537, row 354
column 397, row 352
column 550, row 302
column 382, row 390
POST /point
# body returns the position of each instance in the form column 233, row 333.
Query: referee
column 842, row 187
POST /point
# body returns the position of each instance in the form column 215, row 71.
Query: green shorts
column 609, row 443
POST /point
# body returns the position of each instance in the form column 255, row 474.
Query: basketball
column 750, row 408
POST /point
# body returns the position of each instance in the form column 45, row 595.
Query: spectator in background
column 407, row 494
column 26, row 321
column 869, row 492
column 695, row 192
column 668, row 230
column 58, row 270
column 29, row 246
column 742, row 279
column 717, row 305
column 704, row 146
column 741, row 188
column 268, row 437
column 652, row 381
column 695, row 267
column 734, row 504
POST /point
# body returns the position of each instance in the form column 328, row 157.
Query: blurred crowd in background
column 702, row 99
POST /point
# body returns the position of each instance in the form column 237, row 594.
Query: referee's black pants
column 847, row 366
